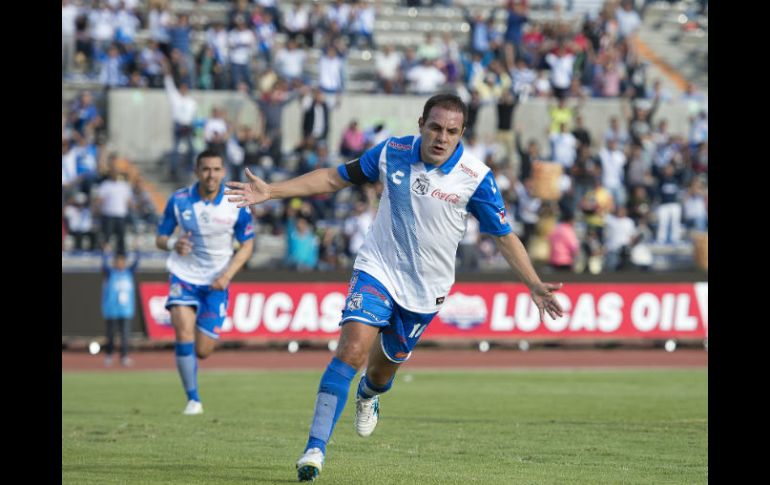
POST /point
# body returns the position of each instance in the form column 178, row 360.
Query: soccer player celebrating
column 405, row 269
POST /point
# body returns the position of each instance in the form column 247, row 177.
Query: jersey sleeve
column 368, row 163
column 244, row 228
column 488, row 207
column 168, row 222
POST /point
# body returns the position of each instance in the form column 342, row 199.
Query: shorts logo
column 374, row 317
column 175, row 291
column 372, row 290
column 421, row 184
column 501, row 215
column 355, row 301
column 440, row 300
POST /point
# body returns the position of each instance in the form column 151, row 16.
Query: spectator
column 619, row 234
column 271, row 105
column 353, row 142
column 561, row 62
column 331, row 74
column 297, row 23
column 564, row 245
column 613, row 162
column 302, row 253
column 118, row 295
column 387, row 64
column 695, row 207
column 216, row 132
column 669, row 210
column 183, row 113
column 113, row 200
column 425, row 78
column 80, row 222
column 315, row 115
column 290, row 61
column 242, row 46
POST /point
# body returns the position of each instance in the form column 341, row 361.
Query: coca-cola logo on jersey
column 445, row 196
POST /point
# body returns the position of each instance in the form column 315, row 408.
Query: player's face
column 210, row 172
column 441, row 133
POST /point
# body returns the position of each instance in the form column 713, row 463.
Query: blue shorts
column 211, row 304
column 370, row 303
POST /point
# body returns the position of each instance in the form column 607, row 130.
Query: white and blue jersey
column 412, row 244
column 212, row 225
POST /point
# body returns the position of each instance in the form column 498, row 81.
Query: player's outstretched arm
column 542, row 293
column 256, row 190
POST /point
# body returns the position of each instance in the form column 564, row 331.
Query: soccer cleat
column 107, row 361
column 126, row 361
column 367, row 414
column 309, row 465
column 193, row 407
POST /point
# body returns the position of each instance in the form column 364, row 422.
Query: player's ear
column 420, row 122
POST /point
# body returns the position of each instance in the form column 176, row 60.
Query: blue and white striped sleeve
column 488, row 207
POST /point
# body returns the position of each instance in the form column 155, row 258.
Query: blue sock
column 367, row 390
column 332, row 395
column 187, row 363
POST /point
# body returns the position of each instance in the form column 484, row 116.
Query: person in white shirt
column 183, row 111
column 628, row 19
column 290, row 61
column 406, row 265
column 387, row 63
column 425, row 78
column 619, row 231
column 114, row 197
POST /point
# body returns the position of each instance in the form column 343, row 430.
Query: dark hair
column 447, row 101
column 209, row 154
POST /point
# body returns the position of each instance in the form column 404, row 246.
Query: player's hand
column 253, row 192
column 545, row 300
column 220, row 283
column 183, row 245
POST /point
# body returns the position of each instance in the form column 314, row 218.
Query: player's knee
column 379, row 377
column 354, row 354
column 203, row 353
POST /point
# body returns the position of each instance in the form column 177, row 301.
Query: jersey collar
column 445, row 167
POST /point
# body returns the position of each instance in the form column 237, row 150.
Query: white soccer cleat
column 309, row 465
column 367, row 414
column 193, row 407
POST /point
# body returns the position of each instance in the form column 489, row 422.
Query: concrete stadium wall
column 81, row 291
column 140, row 119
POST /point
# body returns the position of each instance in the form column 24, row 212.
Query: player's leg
column 393, row 348
column 211, row 316
column 358, row 334
column 183, row 319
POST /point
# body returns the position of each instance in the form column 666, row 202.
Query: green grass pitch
column 436, row 427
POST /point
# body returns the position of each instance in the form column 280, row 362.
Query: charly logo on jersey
column 464, row 311
column 186, row 214
column 175, row 290
column 396, row 177
column 355, row 301
column 421, row 184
